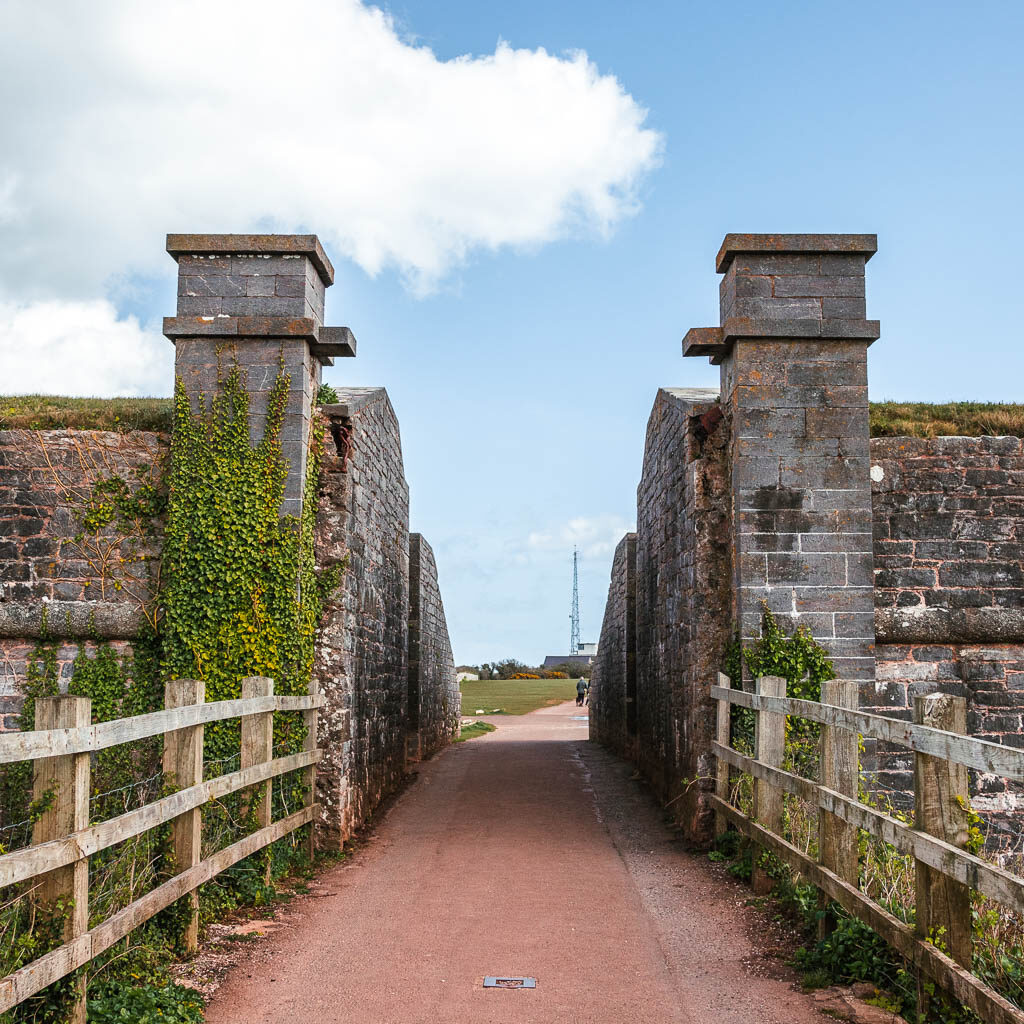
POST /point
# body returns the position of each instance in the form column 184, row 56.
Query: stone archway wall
column 384, row 660
column 773, row 493
column 261, row 297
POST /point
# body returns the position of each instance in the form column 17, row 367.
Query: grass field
column 514, row 696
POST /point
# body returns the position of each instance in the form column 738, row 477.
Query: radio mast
column 574, row 617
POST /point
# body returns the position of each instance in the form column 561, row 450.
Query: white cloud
column 124, row 120
column 595, row 536
column 80, row 348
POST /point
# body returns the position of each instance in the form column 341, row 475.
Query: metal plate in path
column 509, row 981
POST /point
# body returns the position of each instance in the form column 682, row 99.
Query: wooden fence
column 57, row 862
column 945, row 872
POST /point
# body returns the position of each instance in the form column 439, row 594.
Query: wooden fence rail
column 57, row 862
column 944, row 871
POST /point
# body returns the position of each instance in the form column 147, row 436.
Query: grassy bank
column 927, row 419
column 53, row 412
column 471, row 732
column 888, row 419
column 514, row 696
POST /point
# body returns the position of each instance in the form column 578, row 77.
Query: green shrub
column 802, row 662
column 326, row 395
column 170, row 1004
column 853, row 952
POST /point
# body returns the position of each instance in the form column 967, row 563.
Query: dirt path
column 526, row 852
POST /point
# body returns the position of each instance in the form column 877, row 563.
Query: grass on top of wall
column 55, row 412
column 964, row 419
column 888, row 419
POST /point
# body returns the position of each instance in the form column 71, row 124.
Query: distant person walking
column 581, row 692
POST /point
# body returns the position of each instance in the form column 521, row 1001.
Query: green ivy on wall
column 798, row 659
column 242, row 597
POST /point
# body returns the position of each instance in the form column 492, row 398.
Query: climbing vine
column 799, row 659
column 242, row 594
column 241, row 597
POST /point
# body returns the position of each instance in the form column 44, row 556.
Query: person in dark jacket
column 581, row 692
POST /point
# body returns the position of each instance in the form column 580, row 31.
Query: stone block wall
column 613, row 679
column 362, row 659
column 683, row 593
column 201, row 362
column 56, row 578
column 949, row 602
column 89, row 593
column 949, row 537
column 904, row 557
column 255, row 301
column 46, row 490
column 435, row 701
column 793, row 356
column 949, row 599
column 756, row 496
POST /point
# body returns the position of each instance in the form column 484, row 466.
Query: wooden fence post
column 183, row 759
column 309, row 719
column 258, row 748
column 769, row 746
column 941, row 794
column 68, row 777
column 838, row 842
column 724, row 736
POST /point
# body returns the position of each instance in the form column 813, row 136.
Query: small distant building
column 472, row 676
column 585, row 655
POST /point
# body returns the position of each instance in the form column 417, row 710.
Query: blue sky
column 523, row 366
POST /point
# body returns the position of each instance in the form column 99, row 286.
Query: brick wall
column 949, row 598
column 435, row 702
column 89, row 587
column 362, row 660
column 949, row 537
column 613, row 682
column 683, row 575
column 46, row 483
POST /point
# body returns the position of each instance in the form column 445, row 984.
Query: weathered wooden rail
column 945, row 872
column 63, row 840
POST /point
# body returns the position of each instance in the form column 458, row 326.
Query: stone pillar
column 257, row 300
column 792, row 346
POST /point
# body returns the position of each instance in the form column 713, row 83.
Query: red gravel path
column 529, row 851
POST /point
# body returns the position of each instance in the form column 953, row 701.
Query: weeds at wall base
column 850, row 953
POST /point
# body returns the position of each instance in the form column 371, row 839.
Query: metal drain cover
column 507, row 981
